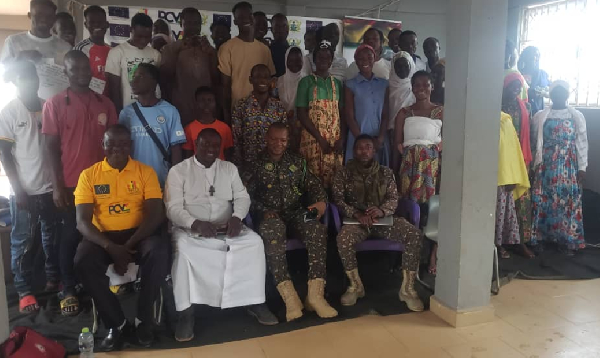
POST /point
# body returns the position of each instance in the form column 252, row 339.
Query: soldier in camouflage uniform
column 279, row 183
column 367, row 192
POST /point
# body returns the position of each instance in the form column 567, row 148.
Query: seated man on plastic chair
column 279, row 183
column 119, row 213
column 366, row 193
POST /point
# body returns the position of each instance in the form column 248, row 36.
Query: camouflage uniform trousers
column 401, row 230
column 313, row 234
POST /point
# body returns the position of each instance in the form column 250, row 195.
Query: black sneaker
column 116, row 338
column 185, row 325
column 144, row 334
column 263, row 315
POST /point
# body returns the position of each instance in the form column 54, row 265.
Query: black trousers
column 91, row 262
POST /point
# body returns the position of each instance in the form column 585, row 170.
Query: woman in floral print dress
column 318, row 101
column 560, row 161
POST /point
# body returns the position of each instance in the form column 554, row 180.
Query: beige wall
column 11, row 24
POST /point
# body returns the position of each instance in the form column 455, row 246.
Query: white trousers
column 219, row 272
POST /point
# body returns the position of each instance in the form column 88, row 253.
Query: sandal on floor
column 526, row 252
column 69, row 306
column 28, row 301
column 503, row 253
column 432, row 269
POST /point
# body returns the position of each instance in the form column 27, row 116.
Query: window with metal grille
column 566, row 33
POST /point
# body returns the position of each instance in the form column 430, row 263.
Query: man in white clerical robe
column 217, row 260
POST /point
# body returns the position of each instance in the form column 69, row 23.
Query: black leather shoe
column 116, row 337
column 185, row 325
column 144, row 334
column 262, row 314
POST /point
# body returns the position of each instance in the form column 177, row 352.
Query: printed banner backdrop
column 355, row 28
column 119, row 18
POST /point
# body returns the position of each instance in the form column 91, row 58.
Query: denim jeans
column 24, row 225
column 69, row 240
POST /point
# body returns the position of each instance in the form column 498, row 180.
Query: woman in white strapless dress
column 418, row 143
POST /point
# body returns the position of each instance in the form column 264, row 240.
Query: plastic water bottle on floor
column 86, row 344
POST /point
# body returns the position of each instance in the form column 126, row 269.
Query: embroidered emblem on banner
column 295, row 25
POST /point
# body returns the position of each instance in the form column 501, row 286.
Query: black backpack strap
column 151, row 133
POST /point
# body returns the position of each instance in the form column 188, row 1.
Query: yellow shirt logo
column 132, row 187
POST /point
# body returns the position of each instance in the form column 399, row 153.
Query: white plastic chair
column 431, row 231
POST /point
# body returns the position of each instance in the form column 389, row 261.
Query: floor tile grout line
column 262, row 348
column 511, row 347
column 391, row 333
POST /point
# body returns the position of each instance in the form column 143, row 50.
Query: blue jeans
column 41, row 210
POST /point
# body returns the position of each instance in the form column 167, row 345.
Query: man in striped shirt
column 94, row 47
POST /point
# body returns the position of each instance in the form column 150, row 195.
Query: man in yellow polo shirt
column 119, row 213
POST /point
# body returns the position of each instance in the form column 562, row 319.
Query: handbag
column 151, row 133
column 24, row 342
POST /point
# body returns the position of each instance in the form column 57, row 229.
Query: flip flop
column 69, row 302
column 503, row 253
column 28, row 301
column 526, row 252
column 432, row 270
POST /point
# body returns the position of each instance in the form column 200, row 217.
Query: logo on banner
column 294, row 42
column 313, row 25
column 117, row 11
column 295, row 25
column 222, row 19
column 169, row 16
column 121, row 30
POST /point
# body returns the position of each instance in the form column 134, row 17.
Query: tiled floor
column 534, row 319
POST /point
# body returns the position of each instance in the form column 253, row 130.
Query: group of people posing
column 204, row 144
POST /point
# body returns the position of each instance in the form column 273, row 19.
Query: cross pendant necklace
column 211, row 188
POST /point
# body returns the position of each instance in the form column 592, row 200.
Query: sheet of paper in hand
column 116, row 279
column 54, row 80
